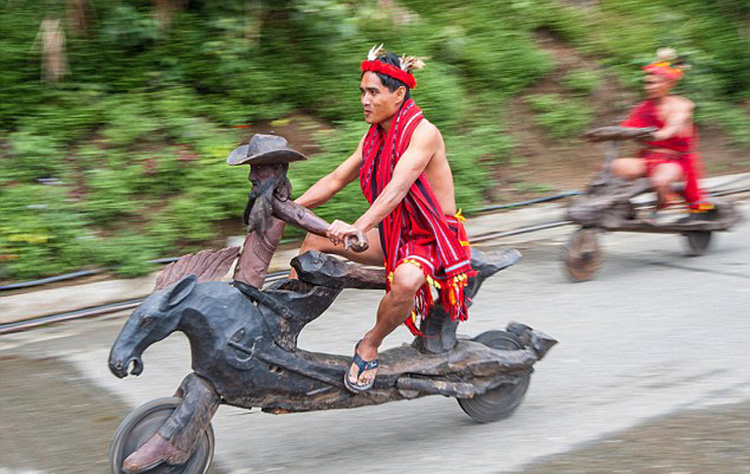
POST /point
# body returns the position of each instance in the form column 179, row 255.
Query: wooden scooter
column 244, row 341
column 608, row 205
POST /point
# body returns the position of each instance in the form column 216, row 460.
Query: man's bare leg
column 663, row 177
column 629, row 168
column 393, row 310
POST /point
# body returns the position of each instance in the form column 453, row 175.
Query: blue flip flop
column 362, row 366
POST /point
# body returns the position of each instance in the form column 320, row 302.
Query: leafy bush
column 40, row 232
column 32, row 157
column 563, row 118
column 581, row 82
column 127, row 253
column 336, row 145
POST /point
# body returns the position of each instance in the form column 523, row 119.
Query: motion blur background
column 116, row 116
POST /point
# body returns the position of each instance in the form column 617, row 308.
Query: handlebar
column 356, row 241
column 618, row 133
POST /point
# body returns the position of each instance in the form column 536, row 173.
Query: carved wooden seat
column 319, row 269
column 323, row 269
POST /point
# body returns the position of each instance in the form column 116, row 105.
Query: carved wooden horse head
column 156, row 318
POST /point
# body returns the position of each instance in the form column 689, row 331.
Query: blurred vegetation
column 581, row 82
column 561, row 117
column 122, row 159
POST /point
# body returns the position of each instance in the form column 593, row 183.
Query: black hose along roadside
column 120, row 306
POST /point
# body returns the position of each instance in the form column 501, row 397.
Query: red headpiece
column 372, row 64
column 663, row 65
column 664, row 69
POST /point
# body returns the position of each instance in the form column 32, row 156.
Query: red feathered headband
column 390, row 71
column 664, row 69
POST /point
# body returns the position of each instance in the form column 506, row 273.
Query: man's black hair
column 388, row 81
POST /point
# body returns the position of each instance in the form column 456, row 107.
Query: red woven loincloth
column 420, row 248
column 655, row 158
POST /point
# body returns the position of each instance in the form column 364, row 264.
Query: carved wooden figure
column 244, row 340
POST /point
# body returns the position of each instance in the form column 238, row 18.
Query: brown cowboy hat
column 264, row 150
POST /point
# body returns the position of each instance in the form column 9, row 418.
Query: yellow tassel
column 432, row 282
column 460, row 216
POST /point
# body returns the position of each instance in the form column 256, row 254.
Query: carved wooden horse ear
column 178, row 293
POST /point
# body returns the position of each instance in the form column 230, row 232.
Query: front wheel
column 141, row 424
column 503, row 401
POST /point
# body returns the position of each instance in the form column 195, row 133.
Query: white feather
column 666, row 54
column 411, row 63
column 374, row 52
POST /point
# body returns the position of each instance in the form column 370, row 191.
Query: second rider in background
column 670, row 155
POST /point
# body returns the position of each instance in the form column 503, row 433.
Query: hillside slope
column 116, row 117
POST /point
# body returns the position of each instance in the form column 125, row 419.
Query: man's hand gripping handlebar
column 353, row 238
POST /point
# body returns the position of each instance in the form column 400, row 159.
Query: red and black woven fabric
column 417, row 230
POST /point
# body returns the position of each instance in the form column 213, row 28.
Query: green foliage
column 127, row 253
column 336, row 145
column 133, row 143
column 129, row 121
column 32, row 157
column 563, row 118
column 442, row 97
column 127, row 27
column 581, row 82
column 40, row 232
column 733, row 119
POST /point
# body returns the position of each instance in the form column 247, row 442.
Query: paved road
column 652, row 356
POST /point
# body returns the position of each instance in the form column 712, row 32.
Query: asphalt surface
column 650, row 376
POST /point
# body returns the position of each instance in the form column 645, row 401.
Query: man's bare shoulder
column 680, row 103
column 427, row 132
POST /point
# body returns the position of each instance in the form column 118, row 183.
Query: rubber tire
column 141, row 424
column 503, row 401
column 698, row 241
column 580, row 268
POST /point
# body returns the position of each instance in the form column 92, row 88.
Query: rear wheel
column 502, row 401
column 582, row 255
column 141, row 424
column 698, row 241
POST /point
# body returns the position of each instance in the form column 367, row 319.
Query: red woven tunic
column 417, row 230
column 645, row 115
